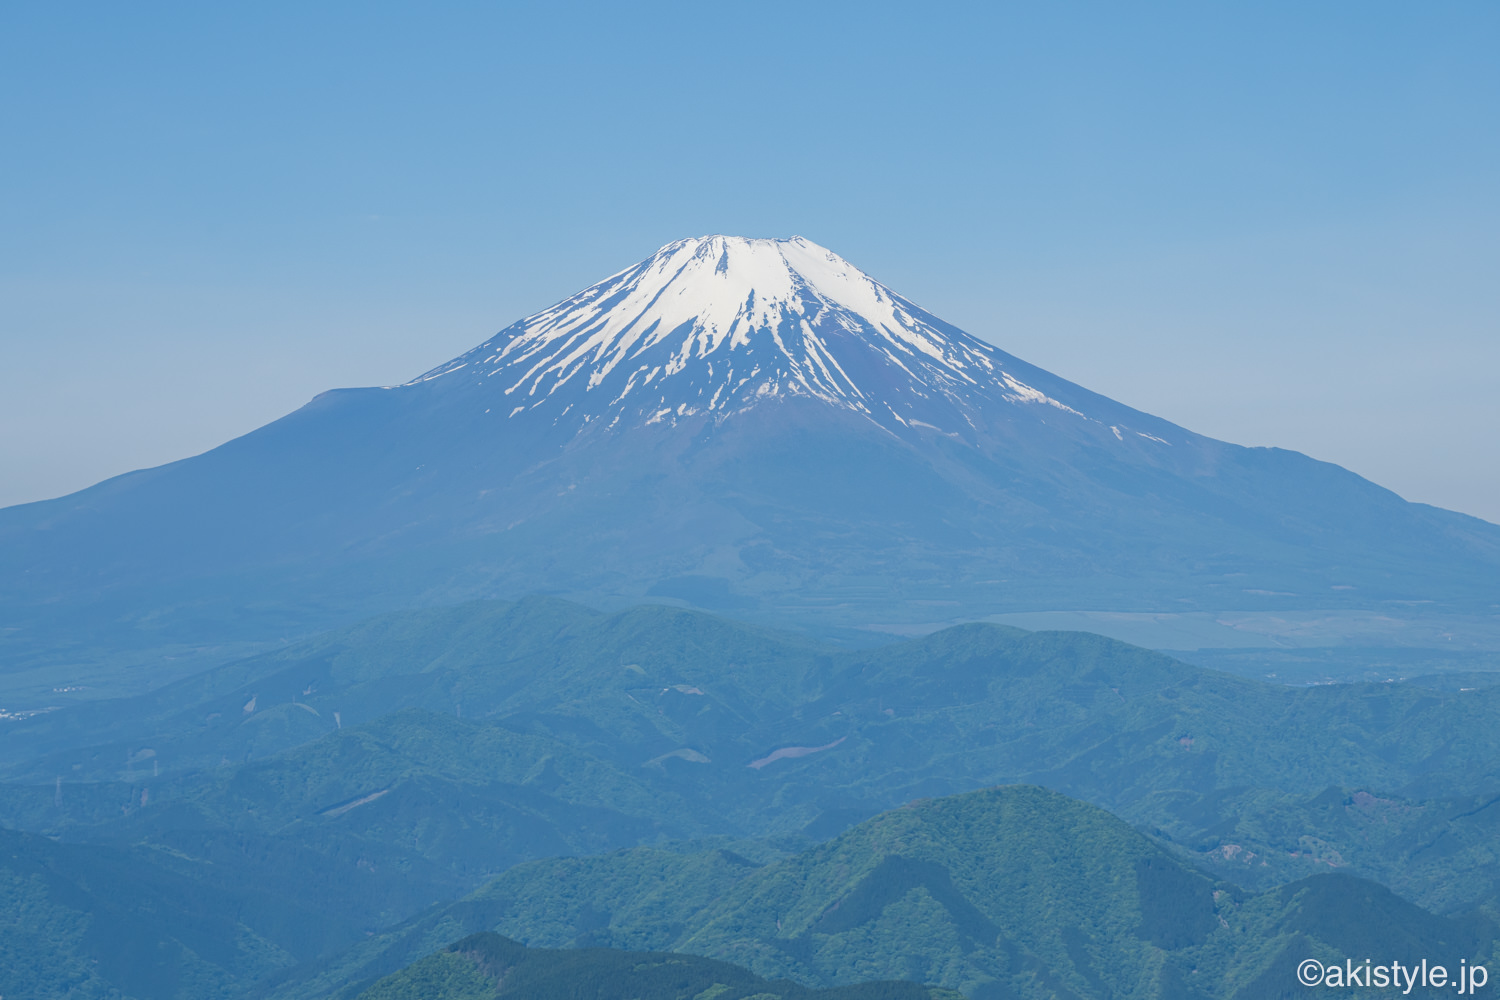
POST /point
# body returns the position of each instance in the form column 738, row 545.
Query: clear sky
column 1272, row 223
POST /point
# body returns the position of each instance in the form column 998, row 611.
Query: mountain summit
column 746, row 424
column 715, row 324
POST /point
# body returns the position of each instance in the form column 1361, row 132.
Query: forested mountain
column 327, row 796
column 1008, row 892
column 488, row 965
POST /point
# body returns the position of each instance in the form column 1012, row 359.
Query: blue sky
column 1272, row 223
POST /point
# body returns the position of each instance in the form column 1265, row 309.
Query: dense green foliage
column 351, row 782
column 487, row 965
column 89, row 922
column 445, row 976
column 1009, row 892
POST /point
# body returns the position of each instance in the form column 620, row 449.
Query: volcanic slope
column 748, row 425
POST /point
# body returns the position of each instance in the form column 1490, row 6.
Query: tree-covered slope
column 480, row 660
column 973, row 704
column 583, row 732
column 485, row 966
column 369, row 825
column 84, row 922
column 1008, row 892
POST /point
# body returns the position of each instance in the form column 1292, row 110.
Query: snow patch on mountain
column 716, row 324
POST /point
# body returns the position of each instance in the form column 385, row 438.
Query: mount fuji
column 714, row 326
column 752, row 425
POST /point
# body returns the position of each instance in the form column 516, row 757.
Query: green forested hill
column 367, row 775
column 372, row 824
column 1009, row 892
column 716, row 711
column 94, row 923
column 483, row 966
column 633, row 686
column 482, row 660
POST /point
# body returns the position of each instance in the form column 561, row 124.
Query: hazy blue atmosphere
column 1273, row 226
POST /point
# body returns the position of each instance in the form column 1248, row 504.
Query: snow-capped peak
column 714, row 324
